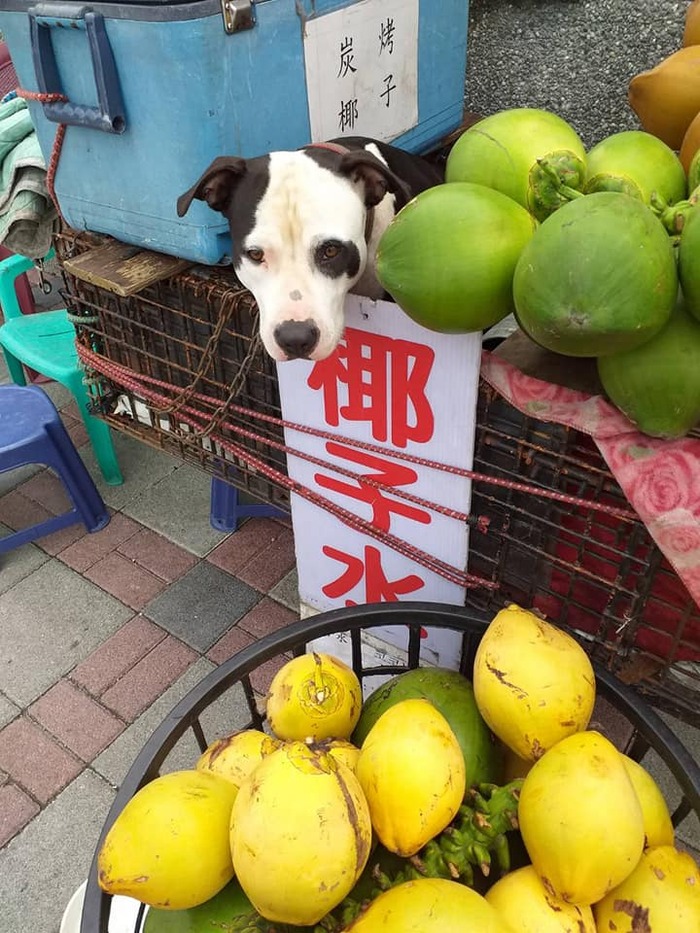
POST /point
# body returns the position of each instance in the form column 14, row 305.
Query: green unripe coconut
column 636, row 163
column 525, row 153
column 657, row 385
column 453, row 696
column 598, row 277
column 448, row 256
column 689, row 262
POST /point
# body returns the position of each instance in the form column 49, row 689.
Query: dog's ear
column 376, row 178
column 215, row 186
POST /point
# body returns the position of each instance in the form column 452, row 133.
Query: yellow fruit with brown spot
column 667, row 97
column 691, row 31
column 690, row 145
column 412, row 772
column 658, row 828
column 522, row 901
column 312, row 697
column 533, row 683
column 580, row 819
column 344, row 752
column 169, row 846
column 300, row 834
column 661, row 895
column 235, row 756
column 429, row 905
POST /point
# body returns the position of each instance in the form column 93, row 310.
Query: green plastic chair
column 45, row 342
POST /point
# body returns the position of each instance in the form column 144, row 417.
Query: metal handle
column 108, row 115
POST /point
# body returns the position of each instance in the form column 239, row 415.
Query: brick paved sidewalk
column 99, row 636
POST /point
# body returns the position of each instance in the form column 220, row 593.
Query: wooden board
column 122, row 268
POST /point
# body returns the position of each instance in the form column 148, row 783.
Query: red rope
column 138, row 383
column 57, row 142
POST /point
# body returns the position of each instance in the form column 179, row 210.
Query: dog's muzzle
column 297, row 338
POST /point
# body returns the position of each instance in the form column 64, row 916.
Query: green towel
column 28, row 217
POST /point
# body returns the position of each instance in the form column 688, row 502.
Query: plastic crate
column 239, row 683
column 585, row 570
column 157, row 90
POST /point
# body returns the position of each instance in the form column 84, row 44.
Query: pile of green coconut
column 596, row 253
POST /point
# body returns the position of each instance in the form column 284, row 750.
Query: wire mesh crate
column 600, row 575
column 196, row 332
column 239, row 683
column 595, row 573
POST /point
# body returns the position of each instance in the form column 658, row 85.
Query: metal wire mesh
column 599, row 575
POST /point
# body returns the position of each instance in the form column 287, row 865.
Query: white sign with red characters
column 396, row 385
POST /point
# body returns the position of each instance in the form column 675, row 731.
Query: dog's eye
column 330, row 250
column 255, row 254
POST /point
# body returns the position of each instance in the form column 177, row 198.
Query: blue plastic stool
column 31, row 431
column 227, row 511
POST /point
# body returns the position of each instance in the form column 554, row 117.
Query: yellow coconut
column 667, row 97
column 313, row 697
column 235, row 756
column 658, row 828
column 412, row 772
column 429, row 905
column 522, row 901
column 533, row 683
column 300, row 834
column 342, row 750
column 661, row 895
column 580, row 818
column 169, row 846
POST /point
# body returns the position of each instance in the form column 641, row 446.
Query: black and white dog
column 305, row 227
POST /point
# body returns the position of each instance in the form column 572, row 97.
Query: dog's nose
column 297, row 338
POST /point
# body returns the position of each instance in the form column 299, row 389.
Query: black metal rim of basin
column 650, row 730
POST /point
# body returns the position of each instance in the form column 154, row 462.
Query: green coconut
column 689, row 262
column 448, row 256
column 215, row 914
column 636, row 163
column 453, row 696
column 657, row 385
column 533, row 156
column 598, row 277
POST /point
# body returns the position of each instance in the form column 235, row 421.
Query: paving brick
column 231, row 643
column 202, row 605
column 91, row 548
column 60, row 540
column 287, row 591
column 18, row 511
column 148, row 678
column 125, row 580
column 269, row 566
column 77, row 720
column 16, row 810
column 155, row 553
column 117, row 655
column 48, row 490
column 19, row 562
column 50, row 621
column 252, row 537
column 267, row 616
column 36, row 761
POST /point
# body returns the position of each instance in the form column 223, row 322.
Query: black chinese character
column 386, row 36
column 388, row 88
column 347, row 57
column 347, row 114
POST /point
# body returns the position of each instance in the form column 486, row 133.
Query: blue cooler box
column 156, row 90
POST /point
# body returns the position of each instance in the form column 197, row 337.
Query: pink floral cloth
column 661, row 479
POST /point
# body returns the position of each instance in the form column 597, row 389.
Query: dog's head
column 300, row 236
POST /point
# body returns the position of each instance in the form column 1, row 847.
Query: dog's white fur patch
column 304, row 206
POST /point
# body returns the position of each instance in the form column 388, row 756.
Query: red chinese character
column 382, row 471
column 378, row 589
column 386, row 380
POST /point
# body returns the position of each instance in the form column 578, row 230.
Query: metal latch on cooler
column 238, row 15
